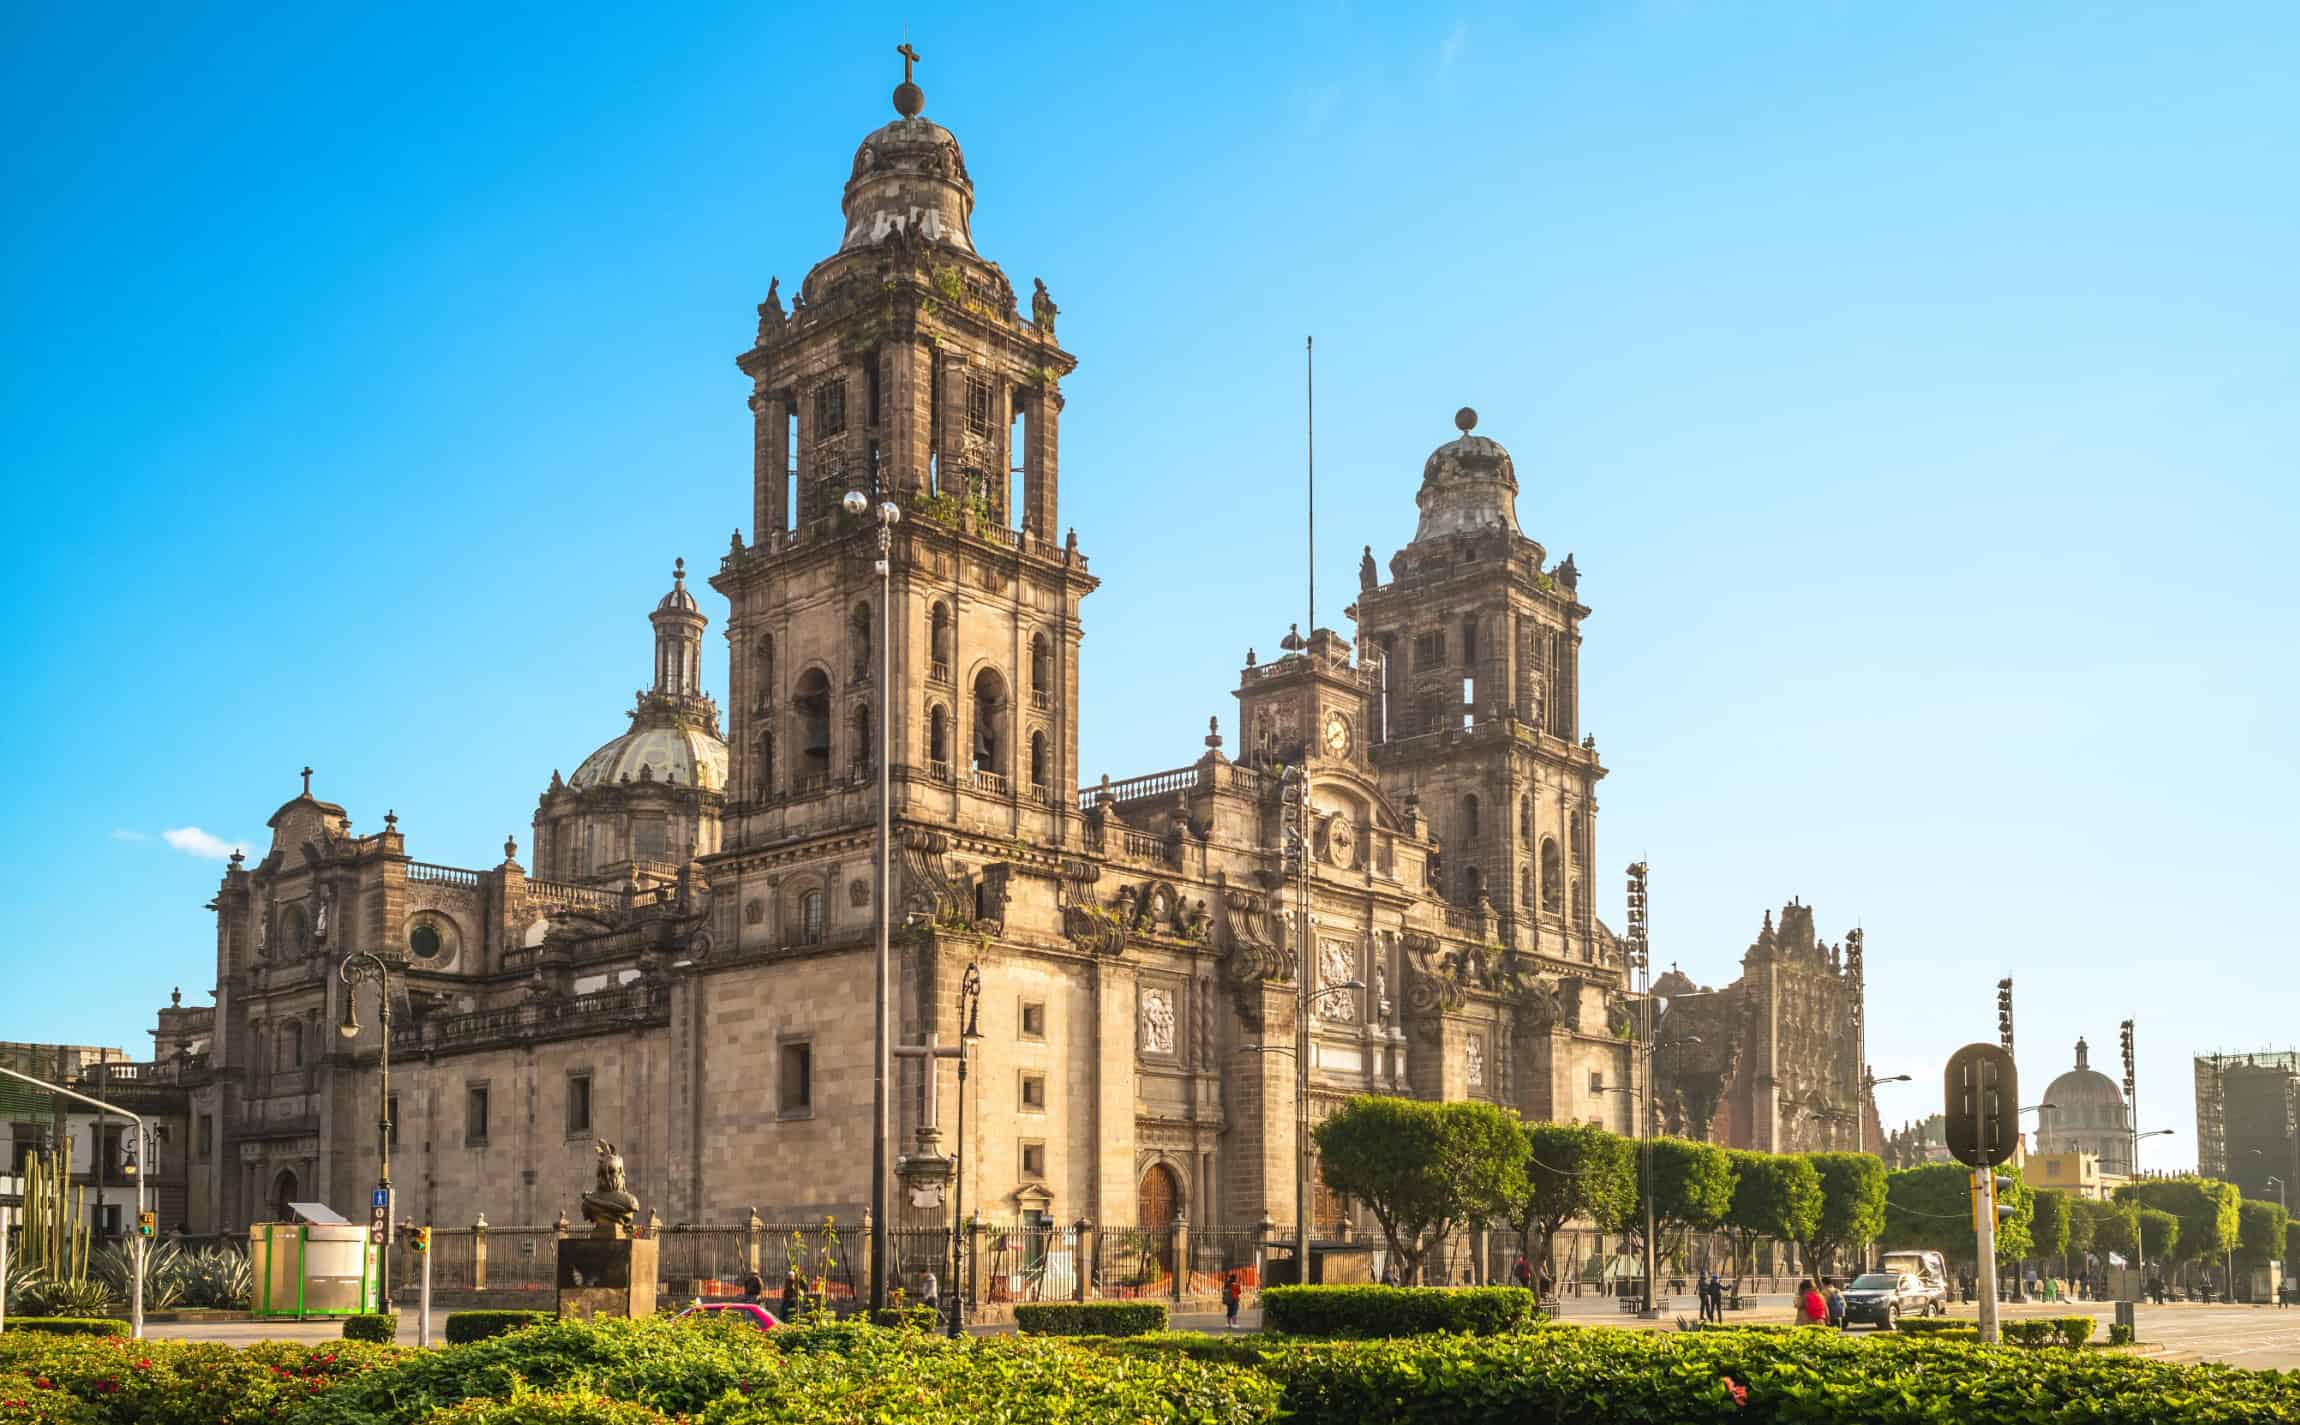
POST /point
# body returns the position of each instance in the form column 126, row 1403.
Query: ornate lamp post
column 969, row 1030
column 882, row 1100
column 357, row 966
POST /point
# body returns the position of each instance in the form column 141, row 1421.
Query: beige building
column 684, row 964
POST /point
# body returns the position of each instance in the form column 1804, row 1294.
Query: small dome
column 1468, row 484
column 687, row 756
column 679, row 600
column 909, row 176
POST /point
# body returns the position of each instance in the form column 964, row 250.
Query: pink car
column 750, row 1311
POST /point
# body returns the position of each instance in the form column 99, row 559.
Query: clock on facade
column 1337, row 735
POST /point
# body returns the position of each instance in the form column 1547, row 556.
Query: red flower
column 1738, row 1391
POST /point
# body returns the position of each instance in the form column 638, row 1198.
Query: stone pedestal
column 607, row 1276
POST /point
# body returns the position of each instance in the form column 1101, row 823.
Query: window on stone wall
column 977, row 406
column 1033, row 1019
column 578, row 1104
column 1429, row 650
column 1596, row 1081
column 475, row 1116
column 1038, row 761
column 1034, row 1093
column 291, row 1045
column 1034, row 1160
column 650, row 839
column 795, row 1084
column 937, row 736
column 865, row 750
column 1041, row 670
column 813, row 703
column 1552, row 877
column 1469, row 820
column 830, row 408
column 811, row 918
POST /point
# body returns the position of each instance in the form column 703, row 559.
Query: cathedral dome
column 909, row 176
column 685, row 756
column 1468, row 485
column 2083, row 1099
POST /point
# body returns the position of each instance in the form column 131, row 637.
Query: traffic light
column 1981, row 1105
column 419, row 1239
column 147, row 1224
column 2000, row 1189
column 2003, row 1191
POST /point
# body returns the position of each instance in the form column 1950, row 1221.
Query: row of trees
column 1425, row 1170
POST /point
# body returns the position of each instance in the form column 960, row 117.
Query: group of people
column 1710, row 1288
column 1821, row 1304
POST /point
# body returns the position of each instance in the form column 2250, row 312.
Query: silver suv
column 1881, row 1299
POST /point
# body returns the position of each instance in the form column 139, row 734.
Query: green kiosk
column 319, row 1265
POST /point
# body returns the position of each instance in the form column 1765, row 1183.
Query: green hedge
column 2071, row 1331
column 464, row 1327
column 379, row 1326
column 1090, row 1318
column 1375, row 1311
column 918, row 1318
column 116, row 1381
column 69, row 1325
column 1933, row 1326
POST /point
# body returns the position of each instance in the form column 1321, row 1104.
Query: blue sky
column 1916, row 390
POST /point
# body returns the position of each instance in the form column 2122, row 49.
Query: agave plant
column 164, row 1273
column 88, row 1296
column 217, row 1276
column 18, row 1287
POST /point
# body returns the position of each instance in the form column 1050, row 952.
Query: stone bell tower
column 1476, row 647
column 903, row 370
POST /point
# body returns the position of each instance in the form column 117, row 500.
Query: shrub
column 69, row 1325
column 380, row 1326
column 124, row 1382
column 115, row 1265
column 2075, row 1331
column 28, row 1400
column 1932, row 1325
column 2119, row 1334
column 219, row 1277
column 539, row 1407
column 464, row 1327
column 54, row 1296
column 1090, row 1318
column 916, row 1318
column 1373, row 1311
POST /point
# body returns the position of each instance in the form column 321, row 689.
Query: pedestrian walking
column 1232, row 1293
column 1812, row 1307
column 754, row 1287
column 1833, row 1301
column 1523, row 1272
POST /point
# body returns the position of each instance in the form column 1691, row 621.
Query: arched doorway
column 1156, row 1203
column 284, row 1191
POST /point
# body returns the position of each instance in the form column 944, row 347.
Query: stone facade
column 688, row 971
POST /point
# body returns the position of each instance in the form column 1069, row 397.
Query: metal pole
column 7, row 1214
column 136, row 1296
column 1305, row 959
column 1985, row 1238
column 423, row 1306
column 881, row 1059
column 383, row 1143
column 969, row 1014
column 1310, row 433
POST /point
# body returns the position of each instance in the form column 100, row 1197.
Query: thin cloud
column 194, row 842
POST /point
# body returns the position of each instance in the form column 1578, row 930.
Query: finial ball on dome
column 1465, row 420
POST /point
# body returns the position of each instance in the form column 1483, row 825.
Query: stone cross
column 307, row 781
column 909, row 58
column 929, row 1136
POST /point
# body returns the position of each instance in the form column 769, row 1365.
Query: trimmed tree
column 1573, row 1171
column 1774, row 1195
column 2048, row 1228
column 2159, row 1235
column 1930, row 1205
column 1852, row 1205
column 1692, row 1189
column 2206, row 1208
column 2083, row 1219
column 2261, row 1229
column 1422, row 1169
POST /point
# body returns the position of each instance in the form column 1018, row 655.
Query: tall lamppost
column 357, row 966
column 882, row 1074
column 969, row 1030
column 1641, row 961
column 2140, row 1240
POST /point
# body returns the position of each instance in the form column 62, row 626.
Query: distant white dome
column 689, row 756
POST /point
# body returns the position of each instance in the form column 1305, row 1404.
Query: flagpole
column 1310, row 431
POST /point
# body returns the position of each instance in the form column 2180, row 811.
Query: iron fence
column 1030, row 1262
column 1133, row 1261
column 521, row 1259
column 1215, row 1255
column 703, row 1261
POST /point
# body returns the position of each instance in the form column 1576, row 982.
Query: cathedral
column 684, row 962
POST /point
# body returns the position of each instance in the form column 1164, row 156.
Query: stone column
column 479, row 1253
column 1178, row 1241
column 1082, row 1232
column 751, row 1226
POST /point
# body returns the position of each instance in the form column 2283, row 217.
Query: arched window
column 763, row 781
column 865, row 750
column 989, row 721
column 1472, row 884
column 813, row 704
column 1038, row 761
column 938, row 736
column 1552, row 877
column 1577, row 834
column 858, row 642
column 763, row 670
column 1525, row 818
column 811, row 918
column 1580, row 904
column 1469, row 820
column 938, row 640
column 1041, row 670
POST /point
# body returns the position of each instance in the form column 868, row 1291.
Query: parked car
column 749, row 1311
column 1930, row 1269
column 1882, row 1298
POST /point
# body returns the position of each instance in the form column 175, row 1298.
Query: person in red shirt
column 1812, row 1308
column 1231, row 1292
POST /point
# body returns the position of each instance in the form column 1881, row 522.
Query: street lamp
column 969, row 1030
column 367, row 965
column 882, row 1065
column 2140, row 1241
